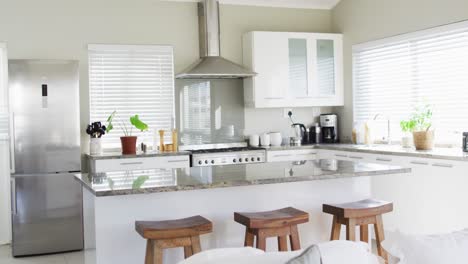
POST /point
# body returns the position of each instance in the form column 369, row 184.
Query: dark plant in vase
column 96, row 130
column 128, row 141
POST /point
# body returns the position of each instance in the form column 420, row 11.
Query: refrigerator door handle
column 12, row 143
column 14, row 208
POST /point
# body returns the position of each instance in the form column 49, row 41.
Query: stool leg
column 196, row 248
column 380, row 236
column 261, row 240
column 282, row 243
column 188, row 251
column 249, row 238
column 149, row 252
column 157, row 253
column 364, row 233
column 336, row 229
column 294, row 238
column 351, row 230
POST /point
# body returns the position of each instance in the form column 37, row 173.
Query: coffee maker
column 329, row 124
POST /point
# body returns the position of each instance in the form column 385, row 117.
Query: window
column 132, row 79
column 394, row 75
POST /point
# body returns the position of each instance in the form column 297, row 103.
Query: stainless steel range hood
column 211, row 65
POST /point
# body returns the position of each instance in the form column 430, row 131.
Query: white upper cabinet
column 294, row 69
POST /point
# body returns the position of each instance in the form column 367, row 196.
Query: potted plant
column 407, row 127
column 128, row 141
column 95, row 130
column 420, row 124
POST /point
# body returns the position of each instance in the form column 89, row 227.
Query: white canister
column 276, row 139
column 95, row 146
column 254, row 140
column 265, row 139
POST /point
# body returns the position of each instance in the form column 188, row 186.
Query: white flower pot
column 95, row 146
column 407, row 141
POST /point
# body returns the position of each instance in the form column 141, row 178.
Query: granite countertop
column 456, row 154
column 170, row 180
column 118, row 155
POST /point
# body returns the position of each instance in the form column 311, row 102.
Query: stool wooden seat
column 361, row 213
column 172, row 233
column 278, row 223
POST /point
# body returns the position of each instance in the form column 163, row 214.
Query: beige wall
column 365, row 20
column 54, row 29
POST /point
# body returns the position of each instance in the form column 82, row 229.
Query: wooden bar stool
column 362, row 213
column 173, row 233
column 278, row 223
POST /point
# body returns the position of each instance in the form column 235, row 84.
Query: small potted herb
column 128, row 141
column 95, row 130
column 420, row 124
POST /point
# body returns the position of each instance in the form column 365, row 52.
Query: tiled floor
column 65, row 258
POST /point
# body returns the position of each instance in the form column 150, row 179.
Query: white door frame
column 5, row 215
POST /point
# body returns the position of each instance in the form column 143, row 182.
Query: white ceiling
column 309, row 4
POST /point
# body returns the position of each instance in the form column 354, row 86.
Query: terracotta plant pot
column 128, row 145
column 423, row 140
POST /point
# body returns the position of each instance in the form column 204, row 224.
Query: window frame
column 156, row 47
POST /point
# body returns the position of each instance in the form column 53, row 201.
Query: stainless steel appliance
column 227, row 156
column 329, row 124
column 46, row 201
column 211, row 65
column 299, row 134
column 465, row 141
column 315, row 134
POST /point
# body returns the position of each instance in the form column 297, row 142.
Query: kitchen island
column 113, row 201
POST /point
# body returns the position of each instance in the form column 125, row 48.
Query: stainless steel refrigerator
column 46, row 202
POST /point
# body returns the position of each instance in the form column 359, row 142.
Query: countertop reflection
column 182, row 179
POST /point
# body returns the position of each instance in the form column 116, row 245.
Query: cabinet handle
column 182, row 160
column 443, row 165
column 269, row 98
column 382, row 159
column 304, row 154
column 282, row 155
column 12, row 143
column 419, row 163
column 355, row 157
column 131, row 163
column 341, row 155
column 13, row 196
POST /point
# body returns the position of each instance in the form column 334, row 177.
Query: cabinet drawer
column 105, row 165
column 291, row 155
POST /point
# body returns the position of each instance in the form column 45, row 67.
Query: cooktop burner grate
column 202, row 151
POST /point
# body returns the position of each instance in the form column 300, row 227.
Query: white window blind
column 132, row 79
column 392, row 76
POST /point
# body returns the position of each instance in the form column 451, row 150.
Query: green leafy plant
column 134, row 120
column 421, row 120
column 407, row 126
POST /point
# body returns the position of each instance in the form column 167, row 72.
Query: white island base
column 109, row 221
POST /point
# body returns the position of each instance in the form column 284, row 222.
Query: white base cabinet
column 431, row 199
column 291, row 155
column 293, row 69
column 140, row 163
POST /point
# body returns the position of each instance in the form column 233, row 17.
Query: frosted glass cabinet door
column 298, row 67
column 326, row 67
